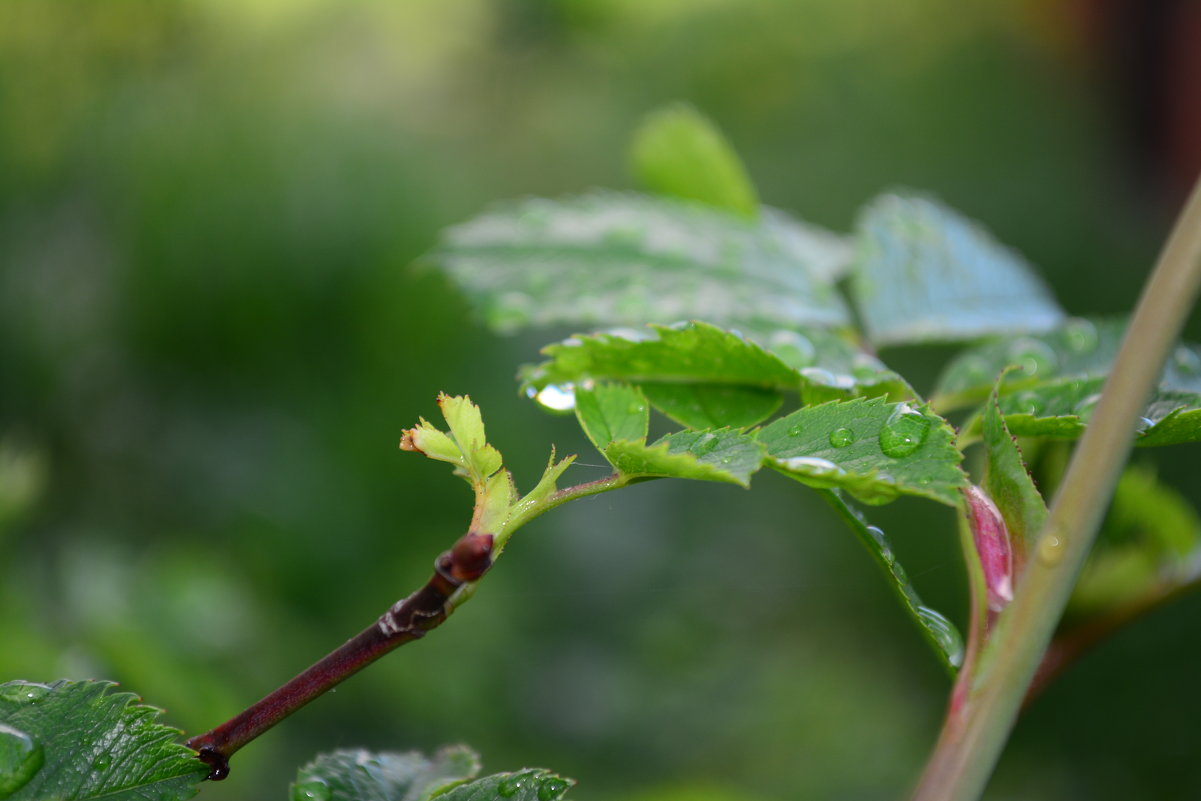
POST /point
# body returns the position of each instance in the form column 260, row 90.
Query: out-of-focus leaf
column 1079, row 348
column 72, row 741
column 678, row 151
column 530, row 784
column 873, row 449
column 924, row 273
column 723, row 455
column 940, row 632
column 1149, row 546
column 358, row 775
column 609, row 258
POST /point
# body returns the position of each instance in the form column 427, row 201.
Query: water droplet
column 311, row 790
column 795, row 431
column 101, row 762
column 1034, row 357
column 1186, row 361
column 841, row 437
column 904, row 432
column 1050, row 550
column 22, row 692
column 1081, row 336
column 877, row 535
column 945, row 634
column 1143, row 424
column 556, row 397
column 811, row 466
column 20, row 758
column 796, row 350
column 1030, row 403
column 552, row 788
column 519, row 781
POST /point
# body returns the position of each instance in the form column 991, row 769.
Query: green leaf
column 466, row 447
column 72, row 740
column 545, row 487
column 937, row 629
column 924, row 273
column 677, row 151
column 609, row 258
column 706, row 358
column 722, row 455
column 713, row 405
column 530, row 784
column 609, row 412
column 358, row 775
column 1008, row 482
column 873, row 449
column 1078, row 349
column 1149, row 547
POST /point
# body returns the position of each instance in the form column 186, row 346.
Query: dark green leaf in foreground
column 873, row 449
column 924, row 273
column 610, row 258
column 677, row 151
column 713, row 405
column 609, row 412
column 1008, row 483
column 723, row 455
column 1149, row 548
column 531, row 784
column 1079, row 348
column 937, row 629
column 70, row 741
column 358, row 775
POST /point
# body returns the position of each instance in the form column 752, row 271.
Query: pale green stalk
column 975, row 734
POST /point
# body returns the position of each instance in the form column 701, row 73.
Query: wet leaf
column 529, row 784
column 677, row 151
column 873, row 449
column 611, row 258
column 76, row 740
column 724, row 455
column 940, row 632
column 609, row 412
column 924, row 273
column 358, row 775
column 713, row 405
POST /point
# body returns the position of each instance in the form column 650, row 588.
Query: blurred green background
column 211, row 337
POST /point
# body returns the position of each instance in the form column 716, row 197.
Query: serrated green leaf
column 609, row 258
column 1148, row 547
column 924, row 273
column 713, row 405
column 677, row 151
column 723, row 455
column 1008, row 482
column 940, row 632
column 609, row 412
column 76, row 740
column 467, row 428
column 494, row 506
column 1078, row 349
column 545, row 487
column 530, row 784
column 359, row 775
column 873, row 449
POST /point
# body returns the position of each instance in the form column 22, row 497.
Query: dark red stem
column 408, row 619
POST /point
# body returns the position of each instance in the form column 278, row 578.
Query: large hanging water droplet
column 904, row 432
column 1080, row 336
column 519, row 781
column 841, row 437
column 312, row 790
column 19, row 693
column 1036, row 358
column 552, row 788
column 21, row 758
column 944, row 633
column 556, row 397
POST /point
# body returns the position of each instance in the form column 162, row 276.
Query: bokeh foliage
column 211, row 337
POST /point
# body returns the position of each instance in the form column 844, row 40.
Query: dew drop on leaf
column 812, row 466
column 904, row 433
column 312, row 790
column 795, row 431
column 945, row 634
column 22, row 692
column 841, row 437
column 101, row 762
column 21, row 758
column 877, row 534
column 551, row 789
column 518, row 781
column 556, row 397
column 1081, row 336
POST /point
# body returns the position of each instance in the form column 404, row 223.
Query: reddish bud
column 471, row 556
column 992, row 547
